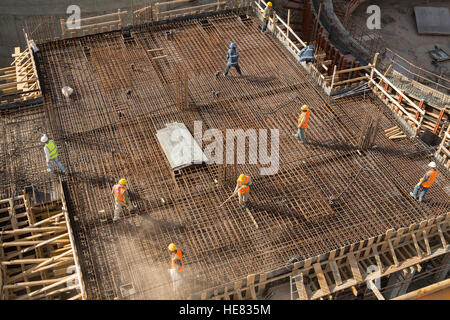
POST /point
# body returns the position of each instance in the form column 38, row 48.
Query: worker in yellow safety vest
column 121, row 199
column 176, row 256
column 302, row 124
column 266, row 15
column 51, row 154
column 426, row 182
column 243, row 189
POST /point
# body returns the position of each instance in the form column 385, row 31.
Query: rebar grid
column 107, row 130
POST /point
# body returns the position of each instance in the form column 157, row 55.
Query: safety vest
column 430, row 180
column 300, row 118
column 267, row 12
column 52, row 150
column 178, row 256
column 243, row 183
column 119, row 193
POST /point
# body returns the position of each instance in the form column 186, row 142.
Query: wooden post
column 120, row 19
column 375, row 58
column 332, row 79
column 157, row 11
column 274, row 21
column 63, row 28
column 288, row 21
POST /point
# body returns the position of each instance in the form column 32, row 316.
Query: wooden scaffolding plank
column 321, row 279
column 354, row 267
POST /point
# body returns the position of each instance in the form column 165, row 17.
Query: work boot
column 296, row 135
column 48, row 170
column 412, row 195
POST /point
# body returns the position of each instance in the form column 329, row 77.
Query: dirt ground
column 399, row 31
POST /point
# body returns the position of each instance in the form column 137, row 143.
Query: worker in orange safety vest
column 243, row 189
column 176, row 258
column 121, row 200
column 302, row 124
column 426, row 182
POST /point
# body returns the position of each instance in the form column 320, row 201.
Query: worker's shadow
column 98, row 181
column 256, row 79
column 280, row 208
column 333, row 145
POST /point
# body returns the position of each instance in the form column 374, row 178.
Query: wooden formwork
column 37, row 253
column 404, row 249
column 20, row 79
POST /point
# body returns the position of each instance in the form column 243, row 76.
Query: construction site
column 334, row 221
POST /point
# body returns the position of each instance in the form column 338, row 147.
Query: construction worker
column 176, row 256
column 121, row 198
column 243, row 189
column 51, row 154
column 307, row 54
column 302, row 123
column 426, row 182
column 266, row 15
column 232, row 60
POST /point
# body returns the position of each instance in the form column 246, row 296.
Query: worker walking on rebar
column 121, row 198
column 51, row 154
column 302, row 124
column 266, row 15
column 232, row 60
column 426, row 182
column 176, row 256
column 177, row 267
column 243, row 189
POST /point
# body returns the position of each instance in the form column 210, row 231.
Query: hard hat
column 269, row 4
column 432, row 164
column 123, row 182
column 232, row 45
column 242, row 177
column 44, row 138
column 304, row 107
column 172, row 247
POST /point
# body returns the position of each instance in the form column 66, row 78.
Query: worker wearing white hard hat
column 51, row 154
column 426, row 182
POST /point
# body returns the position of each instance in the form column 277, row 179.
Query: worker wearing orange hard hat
column 243, row 189
column 266, row 15
column 121, row 199
column 302, row 123
column 176, row 256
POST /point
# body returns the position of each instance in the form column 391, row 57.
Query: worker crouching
column 121, row 198
column 243, row 189
column 302, row 124
column 426, row 182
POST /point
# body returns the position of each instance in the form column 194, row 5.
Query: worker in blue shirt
column 307, row 54
column 232, row 60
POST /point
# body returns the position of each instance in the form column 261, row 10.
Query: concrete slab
column 432, row 20
column 179, row 146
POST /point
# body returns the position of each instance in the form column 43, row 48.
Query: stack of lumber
column 394, row 133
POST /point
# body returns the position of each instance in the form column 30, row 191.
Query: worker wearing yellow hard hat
column 302, row 123
column 243, row 189
column 121, row 199
column 266, row 15
column 176, row 258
